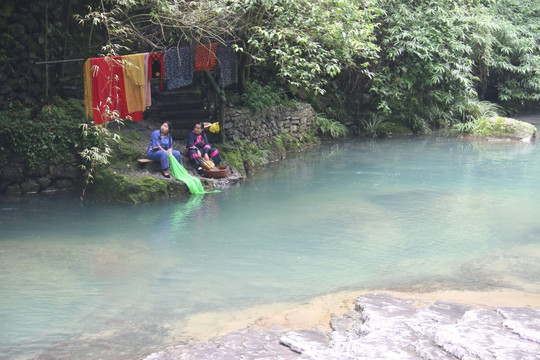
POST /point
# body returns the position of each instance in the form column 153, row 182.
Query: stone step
column 178, row 95
column 179, row 105
column 191, row 115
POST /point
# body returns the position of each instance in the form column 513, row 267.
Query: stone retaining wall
column 246, row 125
column 16, row 178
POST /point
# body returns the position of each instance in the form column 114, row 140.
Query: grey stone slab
column 385, row 327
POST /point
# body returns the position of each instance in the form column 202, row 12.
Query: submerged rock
column 385, row 327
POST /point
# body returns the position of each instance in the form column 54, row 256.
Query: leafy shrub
column 42, row 136
column 252, row 155
column 495, row 127
column 374, row 125
column 474, row 109
column 261, row 97
column 330, row 127
column 475, row 114
column 54, row 133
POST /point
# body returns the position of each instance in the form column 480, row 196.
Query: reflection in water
column 182, row 211
column 117, row 281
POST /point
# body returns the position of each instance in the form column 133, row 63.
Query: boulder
column 13, row 190
column 29, row 186
column 62, row 184
column 4, row 185
column 501, row 128
column 44, row 182
column 67, row 171
column 12, row 173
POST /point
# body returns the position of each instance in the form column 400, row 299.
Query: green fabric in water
column 180, row 173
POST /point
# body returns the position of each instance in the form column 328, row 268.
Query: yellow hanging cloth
column 134, row 82
column 88, row 89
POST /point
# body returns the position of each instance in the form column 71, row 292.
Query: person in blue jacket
column 161, row 145
column 198, row 146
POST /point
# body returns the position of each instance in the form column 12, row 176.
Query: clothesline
column 57, row 61
column 119, row 86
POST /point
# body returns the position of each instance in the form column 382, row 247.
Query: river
column 418, row 214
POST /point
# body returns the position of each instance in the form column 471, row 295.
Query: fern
column 374, row 125
column 330, row 127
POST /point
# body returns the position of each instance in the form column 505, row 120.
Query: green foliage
column 54, row 134
column 160, row 24
column 96, row 148
column 261, row 97
column 374, row 125
column 42, row 136
column 330, row 127
column 475, row 109
column 515, row 63
column 427, row 64
column 232, row 155
column 335, row 104
column 310, row 42
column 439, row 54
column 474, row 115
column 304, row 42
column 497, row 127
column 252, row 155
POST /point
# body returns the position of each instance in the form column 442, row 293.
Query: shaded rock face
column 17, row 178
column 38, row 31
column 386, row 327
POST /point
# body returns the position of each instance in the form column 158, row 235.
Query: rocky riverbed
column 384, row 326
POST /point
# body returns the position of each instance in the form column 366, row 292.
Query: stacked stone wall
column 17, row 178
column 259, row 127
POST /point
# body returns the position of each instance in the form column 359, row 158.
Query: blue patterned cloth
column 227, row 66
column 179, row 66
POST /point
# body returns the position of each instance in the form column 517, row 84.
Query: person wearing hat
column 198, row 146
column 160, row 146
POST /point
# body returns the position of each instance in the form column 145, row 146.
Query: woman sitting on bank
column 198, row 146
column 160, row 147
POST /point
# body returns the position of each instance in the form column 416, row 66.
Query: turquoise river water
column 103, row 280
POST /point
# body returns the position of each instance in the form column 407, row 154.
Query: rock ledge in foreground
column 385, row 327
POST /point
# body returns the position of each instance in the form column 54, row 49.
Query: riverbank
column 356, row 324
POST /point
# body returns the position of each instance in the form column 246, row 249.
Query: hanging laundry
column 108, row 97
column 148, row 87
column 87, row 70
column 179, row 64
column 205, row 57
column 227, row 65
column 135, row 83
column 156, row 67
column 108, row 90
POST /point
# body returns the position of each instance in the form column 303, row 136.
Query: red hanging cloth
column 108, row 91
column 205, row 57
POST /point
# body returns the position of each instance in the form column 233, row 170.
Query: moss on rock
column 506, row 128
column 133, row 188
column 233, row 157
